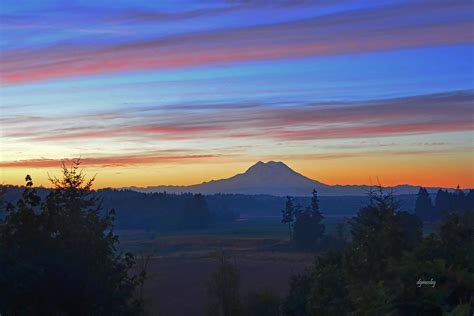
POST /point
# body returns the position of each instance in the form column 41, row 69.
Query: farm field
column 245, row 234
column 178, row 286
column 182, row 262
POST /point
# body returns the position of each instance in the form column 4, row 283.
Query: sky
column 180, row 92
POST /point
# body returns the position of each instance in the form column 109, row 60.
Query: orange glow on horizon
column 435, row 171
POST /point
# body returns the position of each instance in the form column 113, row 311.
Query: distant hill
column 275, row 178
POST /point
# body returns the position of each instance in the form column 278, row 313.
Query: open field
column 182, row 262
column 178, row 286
column 249, row 234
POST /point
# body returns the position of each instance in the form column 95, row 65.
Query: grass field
column 253, row 233
column 178, row 286
column 182, row 261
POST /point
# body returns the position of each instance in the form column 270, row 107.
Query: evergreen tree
column 423, row 206
column 305, row 230
column 456, row 201
column 317, row 215
column 442, row 202
column 457, row 237
column 315, row 202
column 308, row 227
column 297, row 301
column 459, row 197
column 411, row 227
column 378, row 272
column 288, row 215
column 196, row 213
column 329, row 294
column 223, row 289
column 376, row 237
column 58, row 257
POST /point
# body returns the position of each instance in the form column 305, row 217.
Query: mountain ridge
column 274, row 178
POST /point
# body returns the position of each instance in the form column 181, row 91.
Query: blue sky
column 177, row 86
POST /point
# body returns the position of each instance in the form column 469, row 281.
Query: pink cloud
column 381, row 29
column 138, row 159
column 166, row 132
column 374, row 131
column 440, row 113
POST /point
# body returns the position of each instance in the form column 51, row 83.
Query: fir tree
column 423, row 206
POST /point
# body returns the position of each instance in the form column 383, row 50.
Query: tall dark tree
column 297, row 301
column 376, row 236
column 424, row 207
column 57, row 257
column 223, row 289
column 459, row 198
column 442, row 201
column 288, row 215
column 411, row 227
column 456, row 201
column 305, row 230
column 315, row 203
column 196, row 213
column 457, row 237
column 317, row 216
column 329, row 293
column 308, row 227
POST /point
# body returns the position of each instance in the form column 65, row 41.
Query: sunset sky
column 181, row 92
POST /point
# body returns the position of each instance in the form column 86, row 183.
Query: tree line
column 444, row 201
column 155, row 211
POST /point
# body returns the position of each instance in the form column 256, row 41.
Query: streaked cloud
column 375, row 131
column 179, row 93
column 112, row 161
column 450, row 112
column 355, row 31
